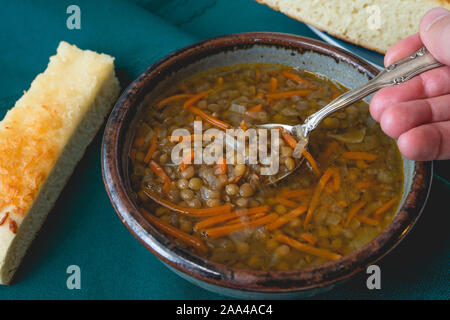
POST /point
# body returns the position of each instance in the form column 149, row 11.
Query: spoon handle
column 396, row 73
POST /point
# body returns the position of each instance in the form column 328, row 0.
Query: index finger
column 402, row 49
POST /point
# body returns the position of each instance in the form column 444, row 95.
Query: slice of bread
column 41, row 140
column 374, row 24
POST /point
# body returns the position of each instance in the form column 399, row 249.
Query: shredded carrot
column 236, row 179
column 385, row 207
column 190, row 212
column 322, row 253
column 133, row 154
column 364, row 185
column 175, row 97
column 260, row 95
column 192, row 137
column 181, row 138
column 139, row 142
column 287, row 137
column 219, row 81
column 185, row 88
column 367, row 220
column 195, row 98
column 174, row 232
column 166, row 187
column 253, row 111
column 214, row 121
column 317, row 192
column 225, row 230
column 264, row 208
column 228, row 216
column 153, row 146
column 298, row 193
column 280, row 221
column 256, row 108
column 329, row 188
column 187, row 160
column 214, row 220
column 362, row 164
column 221, row 167
column 309, row 237
column 288, row 94
column 273, row 84
column 336, row 179
column 359, row 156
column 353, row 211
column 162, row 175
column 286, row 202
column 312, row 162
column 331, row 148
column 245, row 219
column 253, row 115
column 342, row 203
column 336, row 93
column 297, row 78
column 290, row 140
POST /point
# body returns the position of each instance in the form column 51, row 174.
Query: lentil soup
column 340, row 198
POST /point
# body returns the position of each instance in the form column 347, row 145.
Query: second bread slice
column 374, row 24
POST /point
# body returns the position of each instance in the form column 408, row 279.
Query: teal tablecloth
column 83, row 228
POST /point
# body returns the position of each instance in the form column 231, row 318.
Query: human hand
column 417, row 112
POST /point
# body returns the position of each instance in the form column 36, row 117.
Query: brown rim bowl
column 278, row 48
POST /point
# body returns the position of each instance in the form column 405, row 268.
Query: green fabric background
column 83, row 228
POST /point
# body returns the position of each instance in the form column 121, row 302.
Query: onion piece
column 352, row 136
column 238, row 108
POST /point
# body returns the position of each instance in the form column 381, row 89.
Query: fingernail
column 443, row 14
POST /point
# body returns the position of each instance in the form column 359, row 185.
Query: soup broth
column 341, row 197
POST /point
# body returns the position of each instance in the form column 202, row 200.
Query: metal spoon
column 396, row 73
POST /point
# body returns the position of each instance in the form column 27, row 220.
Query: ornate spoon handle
column 396, row 73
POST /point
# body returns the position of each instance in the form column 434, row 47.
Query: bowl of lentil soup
column 219, row 224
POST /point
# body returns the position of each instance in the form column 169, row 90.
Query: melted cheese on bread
column 43, row 137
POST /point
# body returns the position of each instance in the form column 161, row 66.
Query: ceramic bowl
column 276, row 48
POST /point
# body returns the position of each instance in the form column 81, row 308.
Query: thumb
column 435, row 33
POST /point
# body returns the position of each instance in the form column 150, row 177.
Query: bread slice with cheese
column 373, row 24
column 43, row 137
